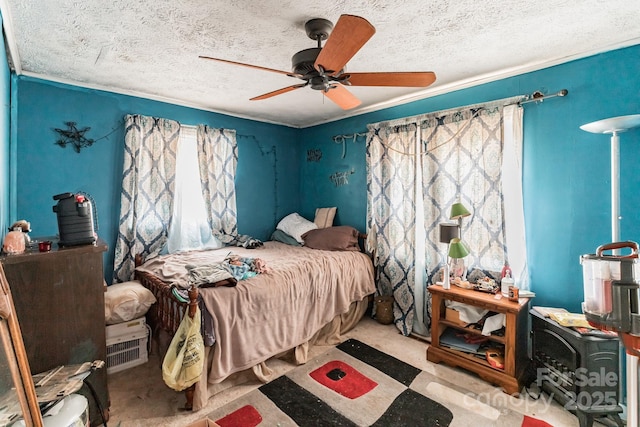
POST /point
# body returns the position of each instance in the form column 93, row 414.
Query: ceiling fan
column 322, row 68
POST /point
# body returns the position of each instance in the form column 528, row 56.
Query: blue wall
column 566, row 170
column 5, row 141
column 268, row 157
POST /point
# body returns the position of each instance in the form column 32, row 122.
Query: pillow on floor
column 295, row 226
column 126, row 301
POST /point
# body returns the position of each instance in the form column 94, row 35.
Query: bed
column 308, row 296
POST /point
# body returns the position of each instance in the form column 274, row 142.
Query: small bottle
column 506, row 283
column 506, row 269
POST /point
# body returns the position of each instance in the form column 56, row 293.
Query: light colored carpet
column 140, row 398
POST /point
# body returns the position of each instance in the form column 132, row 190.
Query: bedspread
column 272, row 312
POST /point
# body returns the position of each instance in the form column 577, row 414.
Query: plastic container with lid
column 506, row 283
column 611, row 284
column 75, row 219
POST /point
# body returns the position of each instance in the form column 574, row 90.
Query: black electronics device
column 580, row 371
column 75, row 219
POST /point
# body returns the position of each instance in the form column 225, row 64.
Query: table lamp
column 457, row 251
column 458, row 211
column 448, row 232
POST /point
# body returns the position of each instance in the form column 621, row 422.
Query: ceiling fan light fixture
column 319, row 83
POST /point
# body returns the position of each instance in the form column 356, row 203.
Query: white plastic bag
column 184, row 361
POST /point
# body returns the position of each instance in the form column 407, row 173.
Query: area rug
column 355, row 384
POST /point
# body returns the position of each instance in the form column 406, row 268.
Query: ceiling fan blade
column 348, row 36
column 278, row 92
column 286, row 73
column 401, row 79
column 341, row 96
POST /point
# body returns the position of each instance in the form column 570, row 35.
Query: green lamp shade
column 458, row 211
column 457, row 249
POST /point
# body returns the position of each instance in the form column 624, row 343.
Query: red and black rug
column 354, row 384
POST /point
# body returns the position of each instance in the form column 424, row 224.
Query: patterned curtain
column 391, row 215
column 218, row 158
column 463, row 164
column 147, row 190
column 460, row 159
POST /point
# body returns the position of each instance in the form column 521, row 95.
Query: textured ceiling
column 150, row 48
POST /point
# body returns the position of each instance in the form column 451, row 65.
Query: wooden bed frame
column 169, row 311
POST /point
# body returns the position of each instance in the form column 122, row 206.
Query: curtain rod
column 538, row 96
column 417, row 118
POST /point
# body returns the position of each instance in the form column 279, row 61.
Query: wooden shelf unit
column 515, row 339
column 494, row 338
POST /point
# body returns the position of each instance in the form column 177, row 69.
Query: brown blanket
column 272, row 312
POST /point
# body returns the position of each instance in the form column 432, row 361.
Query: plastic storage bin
column 127, row 345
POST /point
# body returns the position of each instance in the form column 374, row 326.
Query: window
column 189, row 228
column 149, row 189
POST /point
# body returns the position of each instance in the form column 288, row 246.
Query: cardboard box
column 205, row 422
column 453, row 316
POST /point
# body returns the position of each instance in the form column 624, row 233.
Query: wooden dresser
column 59, row 300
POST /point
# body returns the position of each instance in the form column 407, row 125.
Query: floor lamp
column 615, row 126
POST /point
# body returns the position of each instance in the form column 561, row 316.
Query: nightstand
column 514, row 340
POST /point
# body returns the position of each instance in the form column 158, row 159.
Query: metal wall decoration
column 74, row 137
column 341, row 139
column 341, row 178
column 314, row 155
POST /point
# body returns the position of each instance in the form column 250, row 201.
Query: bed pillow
column 295, row 226
column 339, row 238
column 126, row 301
column 324, row 217
column 281, row 236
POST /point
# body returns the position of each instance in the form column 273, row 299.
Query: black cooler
column 75, row 219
